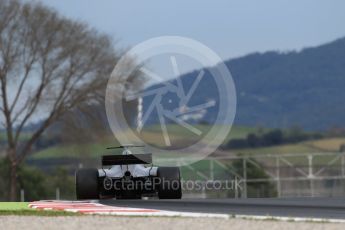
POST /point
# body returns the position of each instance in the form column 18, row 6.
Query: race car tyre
column 169, row 183
column 86, row 181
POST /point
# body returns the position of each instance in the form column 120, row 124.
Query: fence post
column 236, row 188
column 211, row 170
column 278, row 177
column 244, row 192
column 22, row 195
column 310, row 174
column 342, row 165
column 57, row 194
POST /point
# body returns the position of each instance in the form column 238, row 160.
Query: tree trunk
column 13, row 181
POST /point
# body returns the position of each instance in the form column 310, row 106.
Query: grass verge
column 34, row 212
column 22, row 209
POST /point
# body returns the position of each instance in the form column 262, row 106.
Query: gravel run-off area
column 166, row 223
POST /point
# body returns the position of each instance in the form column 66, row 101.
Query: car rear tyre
column 170, row 183
column 87, row 184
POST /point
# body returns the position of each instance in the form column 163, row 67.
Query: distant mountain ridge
column 305, row 88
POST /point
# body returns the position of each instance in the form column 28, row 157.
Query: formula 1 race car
column 128, row 176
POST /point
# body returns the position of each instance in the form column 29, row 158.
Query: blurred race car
column 128, row 176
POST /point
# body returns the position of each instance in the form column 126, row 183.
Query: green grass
column 64, row 151
column 14, row 206
column 279, row 149
column 22, row 209
column 180, row 132
column 22, row 137
column 36, row 213
column 329, row 144
column 74, row 151
column 151, row 134
column 316, row 146
column 204, row 167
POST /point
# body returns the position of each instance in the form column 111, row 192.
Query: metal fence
column 271, row 175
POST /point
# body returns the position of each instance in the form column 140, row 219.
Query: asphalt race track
column 330, row 208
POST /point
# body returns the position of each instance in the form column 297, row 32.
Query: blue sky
column 230, row 28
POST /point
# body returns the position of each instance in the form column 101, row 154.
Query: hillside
column 274, row 89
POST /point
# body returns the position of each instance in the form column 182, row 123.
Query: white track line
column 285, row 218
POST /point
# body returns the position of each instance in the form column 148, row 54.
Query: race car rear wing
column 127, row 159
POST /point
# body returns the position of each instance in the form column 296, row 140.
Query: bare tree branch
column 49, row 66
